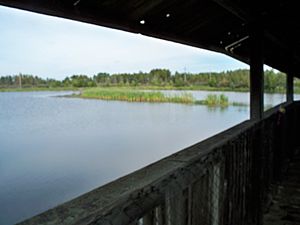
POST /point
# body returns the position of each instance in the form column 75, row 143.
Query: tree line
column 233, row 80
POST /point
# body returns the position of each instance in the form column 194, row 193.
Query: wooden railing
column 226, row 179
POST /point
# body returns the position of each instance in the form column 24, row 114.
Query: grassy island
column 130, row 95
column 133, row 95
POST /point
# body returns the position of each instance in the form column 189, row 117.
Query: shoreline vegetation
column 148, row 87
column 156, row 79
column 132, row 95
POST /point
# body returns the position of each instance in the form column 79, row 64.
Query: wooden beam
column 234, row 9
column 256, row 72
column 289, row 87
column 244, row 15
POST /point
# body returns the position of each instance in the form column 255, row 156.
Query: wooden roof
column 218, row 25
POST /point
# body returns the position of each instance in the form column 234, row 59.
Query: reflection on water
column 239, row 97
column 53, row 149
column 211, row 109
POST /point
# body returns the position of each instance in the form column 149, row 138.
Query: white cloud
column 49, row 46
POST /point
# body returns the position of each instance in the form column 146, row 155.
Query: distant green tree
column 67, row 82
column 82, row 81
column 101, row 78
column 274, row 81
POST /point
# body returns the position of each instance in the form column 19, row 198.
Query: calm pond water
column 53, row 149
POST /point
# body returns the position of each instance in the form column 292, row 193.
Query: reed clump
column 214, row 100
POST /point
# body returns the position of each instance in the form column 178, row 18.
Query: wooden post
column 256, row 73
column 289, row 87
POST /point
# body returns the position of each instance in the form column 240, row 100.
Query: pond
column 53, row 149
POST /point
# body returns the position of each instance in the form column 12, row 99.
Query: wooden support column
column 289, row 87
column 256, row 73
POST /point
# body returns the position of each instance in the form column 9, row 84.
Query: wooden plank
column 148, row 219
column 160, row 216
column 176, row 206
column 215, row 193
column 200, row 202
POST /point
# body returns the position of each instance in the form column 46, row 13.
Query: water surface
column 54, row 149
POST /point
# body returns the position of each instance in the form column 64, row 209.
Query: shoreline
column 150, row 88
column 156, row 89
column 36, row 89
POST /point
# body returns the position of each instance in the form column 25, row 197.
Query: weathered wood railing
column 225, row 179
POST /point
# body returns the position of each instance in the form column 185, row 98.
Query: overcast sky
column 53, row 47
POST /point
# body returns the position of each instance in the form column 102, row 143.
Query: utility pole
column 20, row 80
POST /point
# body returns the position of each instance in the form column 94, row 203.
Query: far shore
column 180, row 88
column 31, row 89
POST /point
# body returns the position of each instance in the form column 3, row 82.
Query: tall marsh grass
column 214, row 100
column 135, row 95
